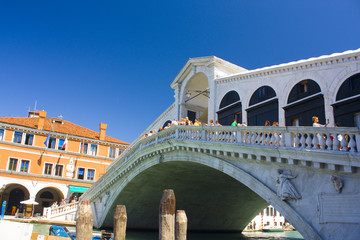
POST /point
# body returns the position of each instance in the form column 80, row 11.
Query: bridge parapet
column 310, row 138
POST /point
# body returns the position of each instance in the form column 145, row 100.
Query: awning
column 29, row 202
column 78, row 189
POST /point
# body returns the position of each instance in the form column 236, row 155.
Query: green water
column 43, row 229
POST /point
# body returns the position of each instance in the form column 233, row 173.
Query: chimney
column 42, row 116
column 103, row 127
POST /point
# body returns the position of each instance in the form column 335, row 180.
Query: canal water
column 43, row 229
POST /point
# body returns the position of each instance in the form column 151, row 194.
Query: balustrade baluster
column 262, row 141
column 267, row 139
column 302, row 140
column 282, row 139
column 296, row 140
column 352, row 143
column 329, row 141
column 272, row 139
column 322, row 141
column 258, row 137
column 228, row 136
column 315, row 140
column 278, row 139
column 344, row 144
column 253, row 138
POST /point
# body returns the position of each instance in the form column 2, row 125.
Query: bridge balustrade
column 310, row 138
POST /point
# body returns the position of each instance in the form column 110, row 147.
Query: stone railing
column 310, row 138
column 64, row 210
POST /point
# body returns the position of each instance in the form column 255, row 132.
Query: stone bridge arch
column 234, row 199
column 232, row 160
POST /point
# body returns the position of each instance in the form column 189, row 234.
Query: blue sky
column 113, row 61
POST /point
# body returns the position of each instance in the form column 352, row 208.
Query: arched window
column 303, row 89
column 229, row 98
column 47, row 195
column 347, row 106
column 230, row 108
column 263, row 106
column 261, row 94
column 349, row 88
column 305, row 101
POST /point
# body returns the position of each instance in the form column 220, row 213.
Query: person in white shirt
column 316, row 122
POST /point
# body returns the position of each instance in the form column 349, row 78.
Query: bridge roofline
column 302, row 64
column 208, row 62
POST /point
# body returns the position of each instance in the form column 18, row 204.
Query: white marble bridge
column 224, row 176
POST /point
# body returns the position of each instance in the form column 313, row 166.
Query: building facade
column 267, row 218
column 50, row 159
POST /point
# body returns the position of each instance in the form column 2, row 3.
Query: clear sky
column 113, row 61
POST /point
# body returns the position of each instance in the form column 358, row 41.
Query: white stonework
column 224, row 176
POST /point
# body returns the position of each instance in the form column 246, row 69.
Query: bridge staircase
column 64, row 212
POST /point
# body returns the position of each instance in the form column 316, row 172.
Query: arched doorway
column 230, row 109
column 13, row 195
column 195, row 98
column 347, row 105
column 46, row 197
column 263, row 107
column 305, row 101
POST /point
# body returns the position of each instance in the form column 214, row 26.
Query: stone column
column 84, row 221
column 167, row 215
column 181, row 225
column 120, row 221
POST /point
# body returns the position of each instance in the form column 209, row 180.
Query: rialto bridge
column 223, row 176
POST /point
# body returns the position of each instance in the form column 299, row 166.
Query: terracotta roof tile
column 66, row 127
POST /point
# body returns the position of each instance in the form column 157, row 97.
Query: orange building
column 50, row 159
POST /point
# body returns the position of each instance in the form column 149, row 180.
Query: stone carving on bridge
column 337, row 183
column 285, row 189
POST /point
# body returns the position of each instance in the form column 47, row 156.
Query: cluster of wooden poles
column 170, row 228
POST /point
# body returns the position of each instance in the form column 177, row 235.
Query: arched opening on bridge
column 305, row 101
column 46, row 197
column 347, row 105
column 195, row 98
column 213, row 201
column 13, row 195
column 230, row 109
column 263, row 106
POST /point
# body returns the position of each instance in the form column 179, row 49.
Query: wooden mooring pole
column 120, row 221
column 84, row 221
column 167, row 215
column 181, row 225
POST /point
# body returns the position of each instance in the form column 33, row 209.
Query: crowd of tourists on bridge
column 186, row 122
column 183, row 122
